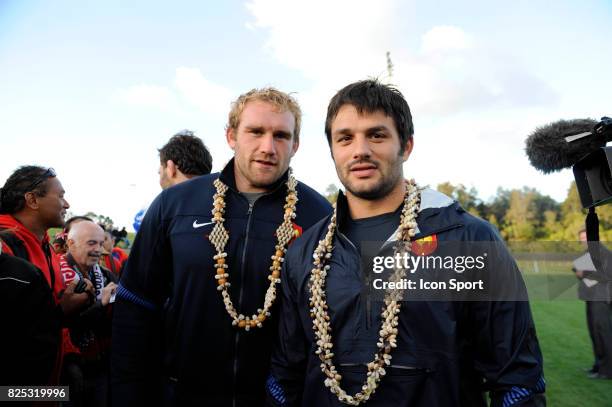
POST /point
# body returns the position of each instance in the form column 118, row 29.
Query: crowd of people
column 245, row 287
column 57, row 294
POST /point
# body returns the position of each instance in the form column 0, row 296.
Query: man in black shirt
column 335, row 347
column 31, row 322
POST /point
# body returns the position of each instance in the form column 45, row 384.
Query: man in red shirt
column 32, row 201
column 108, row 260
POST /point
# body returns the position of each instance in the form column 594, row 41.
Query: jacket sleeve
column 290, row 354
column 504, row 344
column 136, row 339
column 41, row 331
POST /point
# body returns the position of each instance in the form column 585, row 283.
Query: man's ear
column 296, row 145
column 31, row 200
column 171, row 169
column 408, row 148
column 230, row 136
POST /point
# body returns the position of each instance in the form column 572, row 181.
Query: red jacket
column 115, row 266
column 36, row 253
column 37, row 256
column 120, row 255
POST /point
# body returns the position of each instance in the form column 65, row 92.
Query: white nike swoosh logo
column 199, row 225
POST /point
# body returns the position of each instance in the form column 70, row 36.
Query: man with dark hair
column 177, row 321
column 368, row 97
column 183, row 157
column 336, row 344
column 31, row 202
column 108, row 259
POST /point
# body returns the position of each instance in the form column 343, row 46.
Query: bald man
column 91, row 330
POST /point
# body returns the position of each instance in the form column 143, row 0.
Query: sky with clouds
column 94, row 88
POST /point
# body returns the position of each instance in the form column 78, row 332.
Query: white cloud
column 455, row 73
column 199, row 91
column 189, row 86
column 336, row 42
column 445, row 38
column 154, row 96
column 326, row 39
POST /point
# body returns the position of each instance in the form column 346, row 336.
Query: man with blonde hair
column 196, row 306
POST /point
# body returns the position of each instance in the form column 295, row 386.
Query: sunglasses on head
column 49, row 173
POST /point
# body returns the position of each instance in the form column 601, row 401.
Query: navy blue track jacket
column 449, row 353
column 173, row 342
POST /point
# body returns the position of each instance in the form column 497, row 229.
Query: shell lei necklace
column 390, row 318
column 219, row 238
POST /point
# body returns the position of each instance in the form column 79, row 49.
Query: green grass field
column 560, row 320
column 562, row 331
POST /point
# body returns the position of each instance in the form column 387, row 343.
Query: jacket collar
column 342, row 211
column 11, row 223
column 228, row 177
column 432, row 202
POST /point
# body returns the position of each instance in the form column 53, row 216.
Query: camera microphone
column 563, row 143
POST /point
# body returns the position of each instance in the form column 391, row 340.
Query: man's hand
column 71, row 301
column 107, row 292
column 580, row 274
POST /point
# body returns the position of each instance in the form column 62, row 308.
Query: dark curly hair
column 27, row 178
column 188, row 152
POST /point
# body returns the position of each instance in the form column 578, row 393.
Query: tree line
column 524, row 214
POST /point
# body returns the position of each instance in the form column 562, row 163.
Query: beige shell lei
column 390, row 313
column 219, row 238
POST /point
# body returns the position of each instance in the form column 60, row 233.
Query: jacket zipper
column 242, row 268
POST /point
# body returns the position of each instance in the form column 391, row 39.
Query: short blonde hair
column 283, row 101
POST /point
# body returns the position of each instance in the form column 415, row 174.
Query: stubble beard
column 380, row 189
column 265, row 181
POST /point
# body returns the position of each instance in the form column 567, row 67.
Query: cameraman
column 596, row 290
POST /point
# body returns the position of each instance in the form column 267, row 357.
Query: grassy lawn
column 562, row 331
